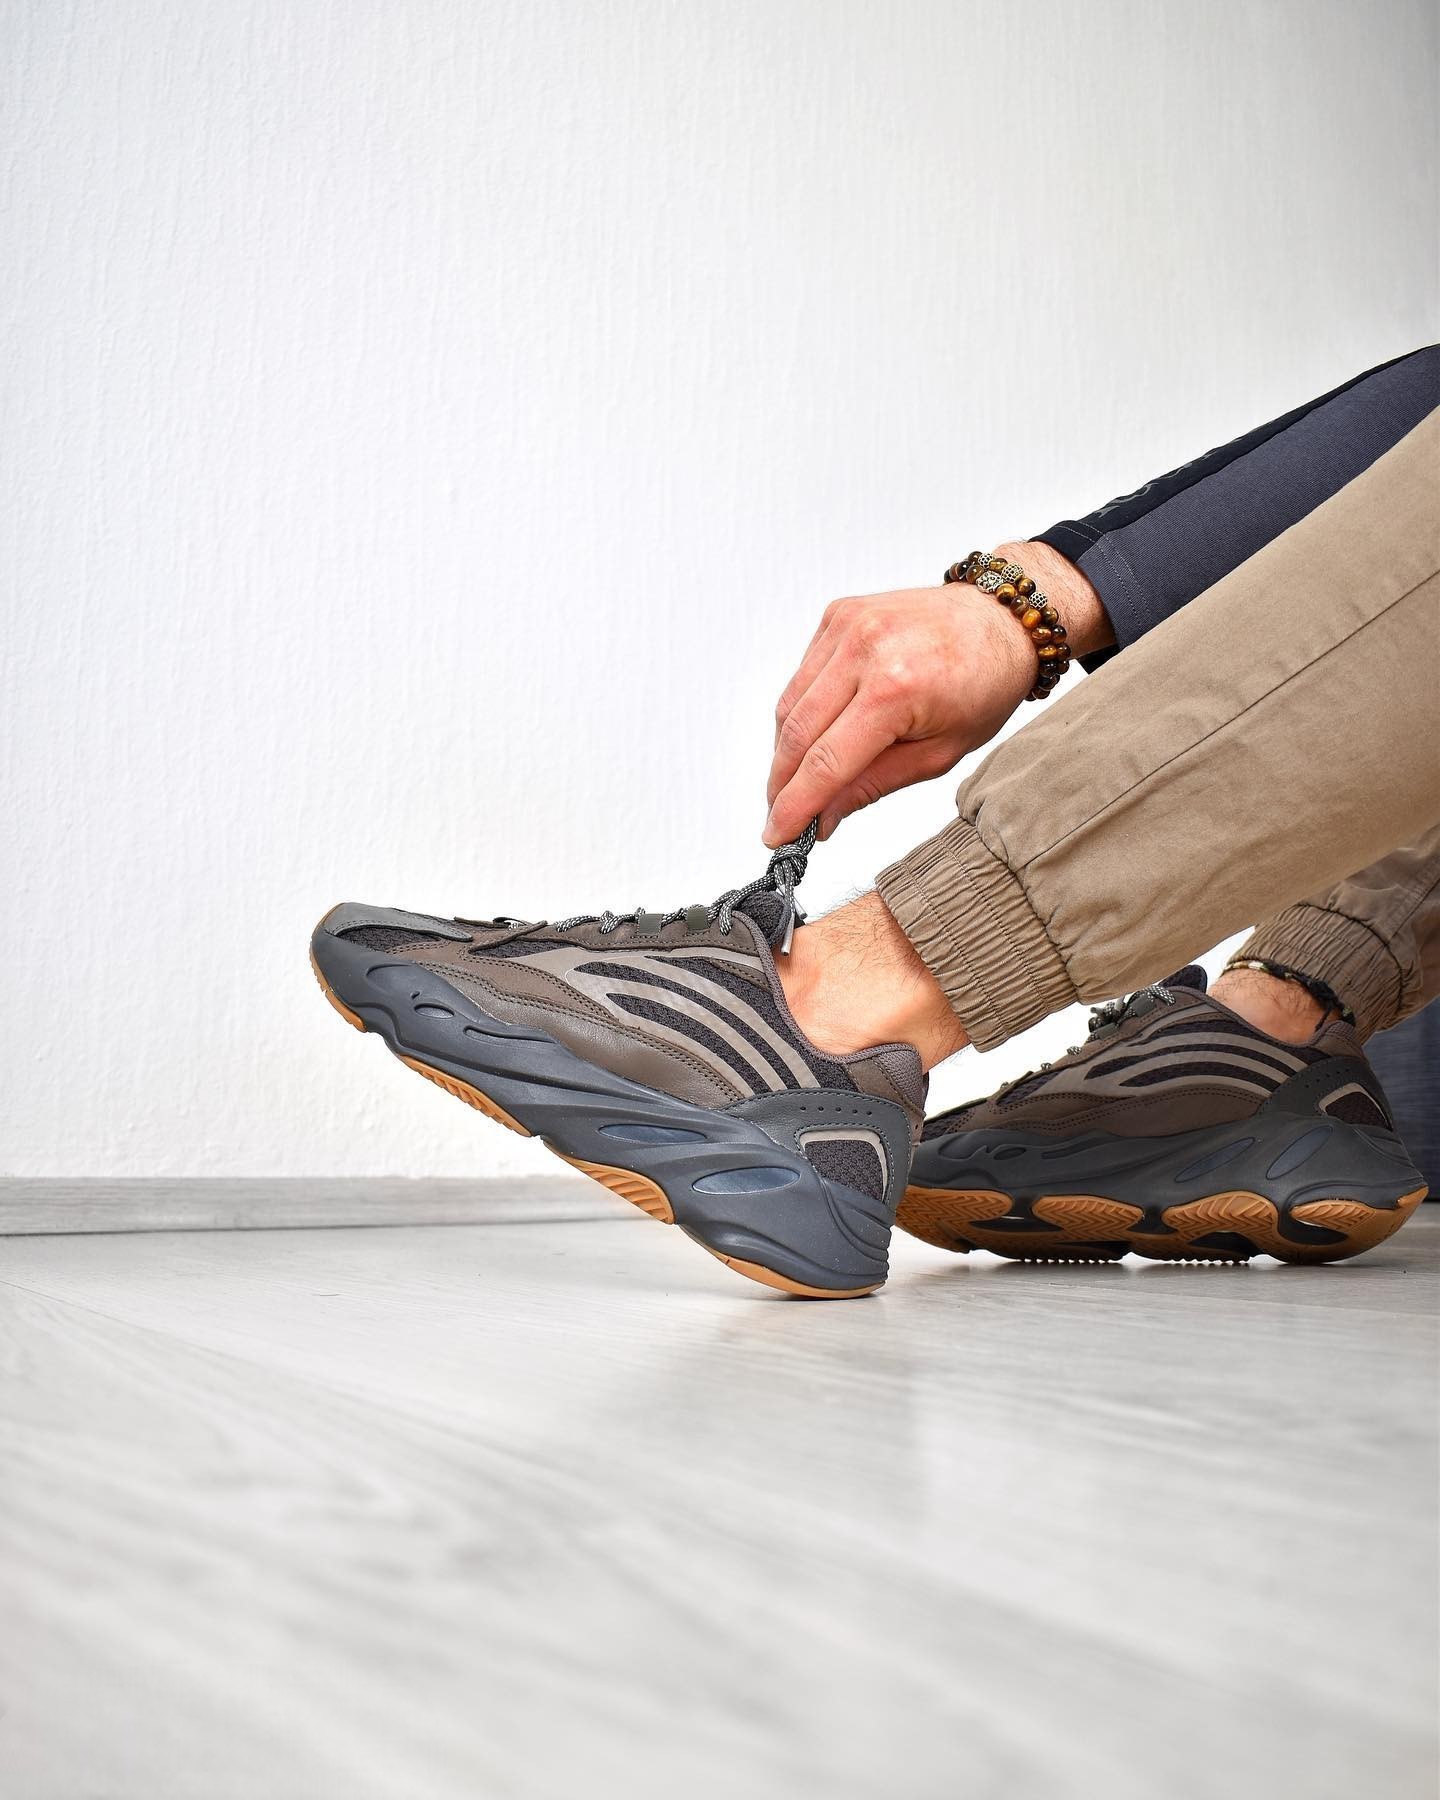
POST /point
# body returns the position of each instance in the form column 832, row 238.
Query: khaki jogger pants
column 1273, row 737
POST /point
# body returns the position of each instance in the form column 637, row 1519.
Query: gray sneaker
column 1178, row 1131
column 656, row 1053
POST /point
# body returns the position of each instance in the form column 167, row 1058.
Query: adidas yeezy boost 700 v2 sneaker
column 1177, row 1130
column 657, row 1053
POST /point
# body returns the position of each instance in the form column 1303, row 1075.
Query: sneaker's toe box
column 388, row 930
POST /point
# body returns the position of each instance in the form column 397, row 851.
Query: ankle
column 1281, row 1009
column 853, row 980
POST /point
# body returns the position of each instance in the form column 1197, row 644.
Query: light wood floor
column 563, row 1509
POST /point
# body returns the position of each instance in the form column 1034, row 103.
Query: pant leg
column 1267, row 740
column 1374, row 937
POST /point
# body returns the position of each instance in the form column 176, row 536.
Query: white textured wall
column 430, row 429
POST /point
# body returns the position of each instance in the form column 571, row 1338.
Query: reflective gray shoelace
column 783, row 874
column 1111, row 1013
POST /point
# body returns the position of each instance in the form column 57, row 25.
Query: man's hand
column 896, row 688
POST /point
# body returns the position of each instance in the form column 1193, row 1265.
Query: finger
column 812, row 715
column 821, row 648
column 898, row 766
column 827, row 768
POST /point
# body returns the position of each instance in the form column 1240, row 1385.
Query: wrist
column 1082, row 613
column 1011, row 649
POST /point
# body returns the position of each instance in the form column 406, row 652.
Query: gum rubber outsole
column 1091, row 1228
column 638, row 1189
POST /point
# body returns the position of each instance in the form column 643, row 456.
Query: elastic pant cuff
column 1343, row 951
column 974, row 928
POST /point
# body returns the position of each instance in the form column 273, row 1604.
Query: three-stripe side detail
column 1206, row 1049
column 687, row 1003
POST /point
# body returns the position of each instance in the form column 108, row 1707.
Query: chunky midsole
column 1287, row 1160
column 732, row 1180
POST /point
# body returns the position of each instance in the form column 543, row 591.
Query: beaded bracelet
column 1010, row 585
column 1319, row 991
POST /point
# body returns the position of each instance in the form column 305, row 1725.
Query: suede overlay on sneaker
column 658, row 1053
column 1177, row 1130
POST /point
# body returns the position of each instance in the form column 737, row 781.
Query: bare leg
column 853, row 980
column 1284, row 1009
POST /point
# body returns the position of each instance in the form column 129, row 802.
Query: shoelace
column 1111, row 1013
column 783, row 874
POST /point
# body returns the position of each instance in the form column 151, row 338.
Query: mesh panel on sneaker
column 852, row 1161
column 1249, row 1056
column 620, row 972
column 389, row 938
column 1198, row 1071
column 1027, row 1085
column 944, row 1123
column 757, row 997
column 513, row 947
column 1356, row 1109
column 685, row 1026
column 1226, row 1027
column 749, row 985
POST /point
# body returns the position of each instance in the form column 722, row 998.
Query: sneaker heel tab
column 897, row 1073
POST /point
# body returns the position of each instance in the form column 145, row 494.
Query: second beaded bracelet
column 1012, row 587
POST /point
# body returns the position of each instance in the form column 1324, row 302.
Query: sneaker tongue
column 768, row 910
column 1191, row 976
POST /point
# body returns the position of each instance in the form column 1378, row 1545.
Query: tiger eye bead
column 1010, row 585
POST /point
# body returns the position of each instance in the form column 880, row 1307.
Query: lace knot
column 783, row 874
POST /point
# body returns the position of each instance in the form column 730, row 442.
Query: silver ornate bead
column 1012, row 572
column 988, row 582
